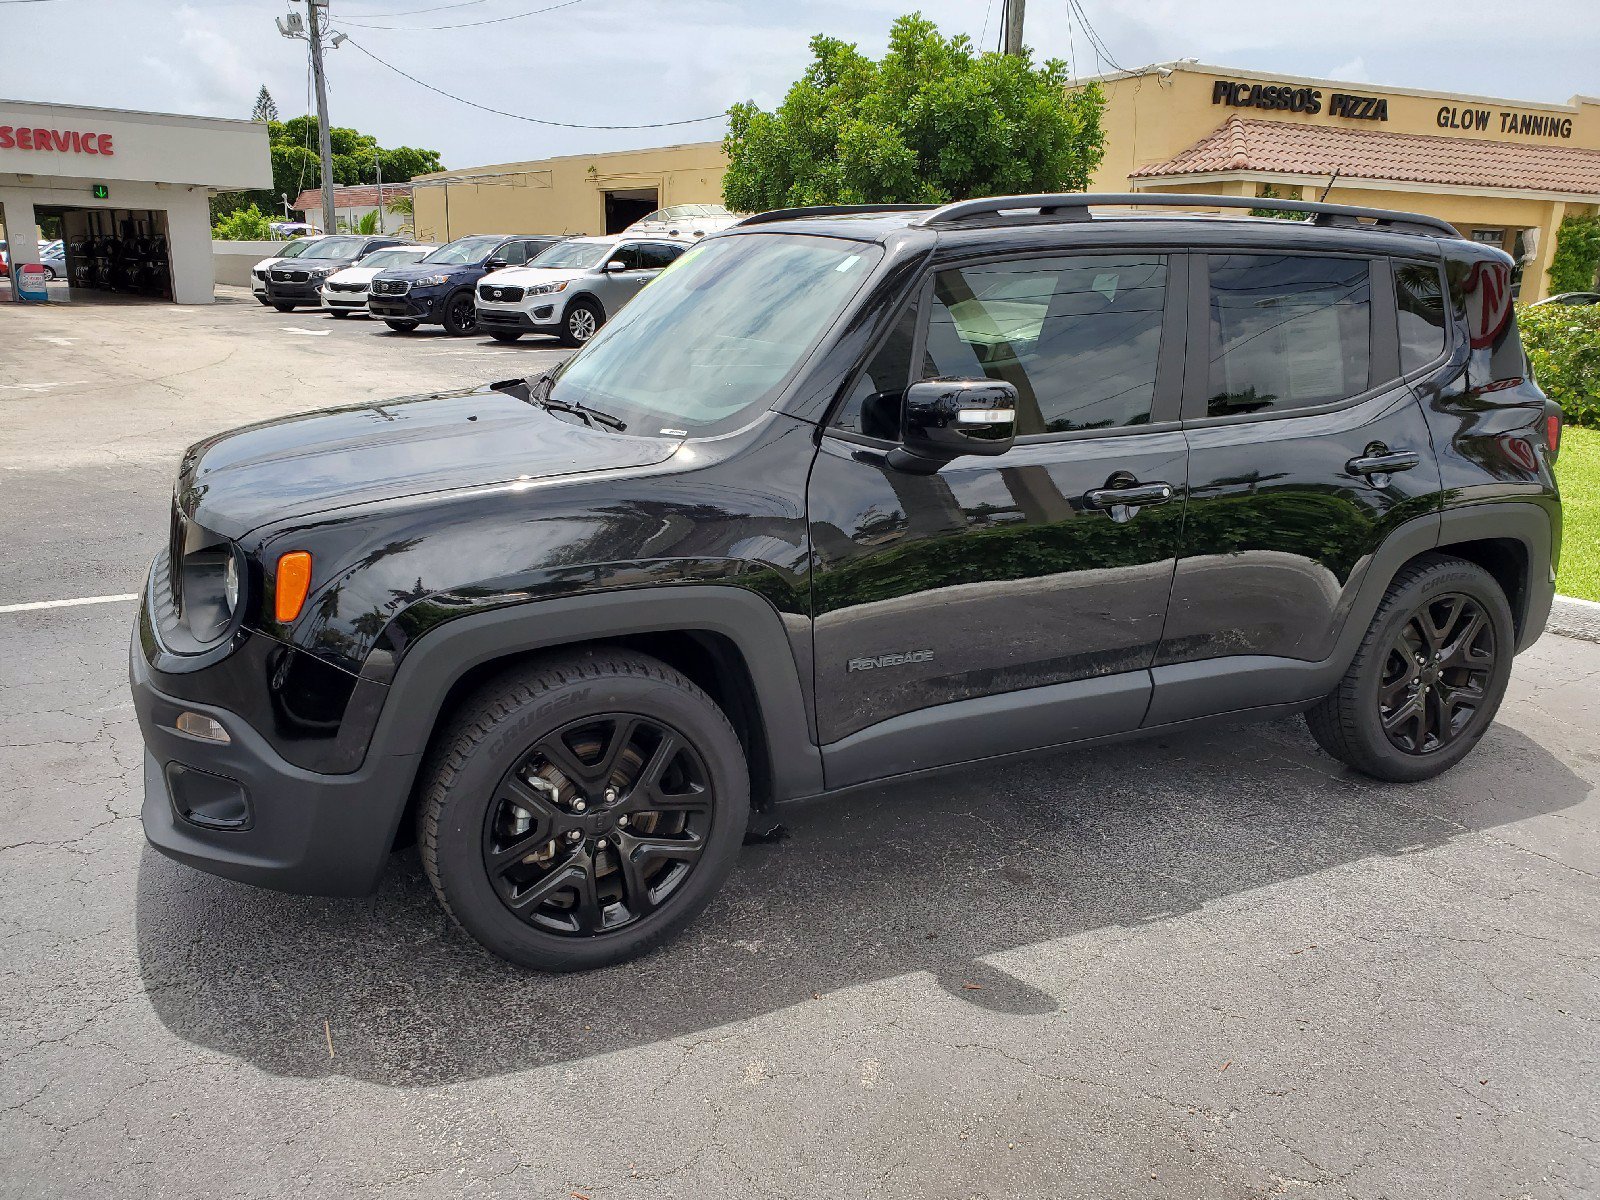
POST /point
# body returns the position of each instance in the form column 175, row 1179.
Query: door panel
column 991, row 576
column 1284, row 512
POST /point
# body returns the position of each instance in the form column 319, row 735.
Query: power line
column 465, row 24
column 500, row 112
column 412, row 12
column 1096, row 43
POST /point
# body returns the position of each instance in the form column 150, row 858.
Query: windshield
column 713, row 339
column 465, row 250
column 573, row 254
column 335, row 247
column 392, row 257
column 297, row 247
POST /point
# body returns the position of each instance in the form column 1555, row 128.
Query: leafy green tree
column 243, row 225
column 1577, row 256
column 933, row 120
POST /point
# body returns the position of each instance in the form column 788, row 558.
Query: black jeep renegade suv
column 847, row 495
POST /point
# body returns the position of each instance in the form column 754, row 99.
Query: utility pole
column 377, row 161
column 291, row 26
column 324, row 135
column 1011, row 19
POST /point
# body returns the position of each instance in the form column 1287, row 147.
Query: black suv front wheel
column 1428, row 678
column 581, row 811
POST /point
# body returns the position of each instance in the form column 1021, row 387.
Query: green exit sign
column 102, row 192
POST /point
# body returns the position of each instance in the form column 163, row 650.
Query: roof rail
column 1074, row 206
column 832, row 210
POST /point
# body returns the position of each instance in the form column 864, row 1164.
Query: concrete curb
column 1575, row 618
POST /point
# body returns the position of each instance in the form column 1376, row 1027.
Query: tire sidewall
column 461, row 872
column 1468, row 580
column 460, row 328
column 576, row 306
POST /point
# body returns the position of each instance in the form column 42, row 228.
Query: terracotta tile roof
column 358, row 196
column 1292, row 148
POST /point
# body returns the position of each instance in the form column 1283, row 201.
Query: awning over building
column 1292, row 149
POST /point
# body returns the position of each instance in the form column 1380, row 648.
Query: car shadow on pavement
column 924, row 876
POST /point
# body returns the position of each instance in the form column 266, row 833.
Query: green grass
column 1578, row 473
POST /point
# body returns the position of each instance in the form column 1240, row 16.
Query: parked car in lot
column 345, row 291
column 572, row 289
column 438, row 289
column 53, row 257
column 846, row 496
column 1574, row 299
column 688, row 221
column 290, row 250
column 293, row 284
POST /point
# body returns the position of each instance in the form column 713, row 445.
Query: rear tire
column 282, row 307
column 580, row 811
column 505, row 335
column 400, row 326
column 1428, row 677
column 338, row 314
column 264, row 302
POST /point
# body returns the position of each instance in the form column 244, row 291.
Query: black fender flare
column 591, row 298
column 443, row 656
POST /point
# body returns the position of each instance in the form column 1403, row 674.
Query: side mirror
column 947, row 418
column 496, row 264
column 616, row 264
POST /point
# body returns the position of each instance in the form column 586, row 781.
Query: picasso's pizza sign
column 55, row 141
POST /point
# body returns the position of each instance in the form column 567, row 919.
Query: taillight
column 1552, row 433
column 293, row 582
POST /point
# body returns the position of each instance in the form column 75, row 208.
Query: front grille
column 390, row 287
column 289, row 276
column 485, row 292
column 347, row 287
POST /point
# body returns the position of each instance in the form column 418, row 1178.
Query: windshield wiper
column 539, row 393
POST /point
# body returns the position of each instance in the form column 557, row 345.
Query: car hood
column 529, row 276
column 423, row 270
column 298, row 466
column 355, row 274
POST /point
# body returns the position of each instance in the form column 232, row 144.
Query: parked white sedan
column 345, row 292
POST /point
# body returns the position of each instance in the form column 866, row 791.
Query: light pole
column 291, row 26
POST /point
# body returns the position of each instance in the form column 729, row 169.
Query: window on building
column 1287, row 331
column 1419, row 295
column 1078, row 337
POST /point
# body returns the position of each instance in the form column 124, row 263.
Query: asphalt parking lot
column 1213, row 965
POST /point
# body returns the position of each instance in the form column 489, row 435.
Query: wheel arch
column 591, row 298
column 727, row 640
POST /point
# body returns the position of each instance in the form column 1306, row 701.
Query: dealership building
column 130, row 191
column 1500, row 171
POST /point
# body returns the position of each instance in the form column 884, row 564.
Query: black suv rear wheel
column 582, row 810
column 1429, row 675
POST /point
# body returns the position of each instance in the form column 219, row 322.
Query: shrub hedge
column 1563, row 344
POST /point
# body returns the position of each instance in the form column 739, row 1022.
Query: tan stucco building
column 577, row 193
column 1500, row 171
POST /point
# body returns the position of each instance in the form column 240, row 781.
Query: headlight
column 230, row 584
column 544, row 289
column 430, row 281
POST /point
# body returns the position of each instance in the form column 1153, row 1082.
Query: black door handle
column 1134, row 495
column 1385, row 463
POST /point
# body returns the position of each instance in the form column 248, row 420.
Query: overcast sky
column 629, row 62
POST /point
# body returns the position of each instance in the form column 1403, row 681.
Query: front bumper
column 294, row 293
column 298, row 830
column 410, row 307
column 518, row 319
column 344, row 301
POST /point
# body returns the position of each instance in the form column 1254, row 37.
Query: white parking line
column 38, row 604
column 39, row 387
column 305, row 332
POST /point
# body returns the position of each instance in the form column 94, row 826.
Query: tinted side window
column 653, row 256
column 873, row 406
column 514, row 253
column 1287, row 331
column 1077, row 336
column 628, row 255
column 1419, row 294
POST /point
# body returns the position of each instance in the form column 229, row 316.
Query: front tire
column 1428, row 677
column 505, row 335
column 338, row 314
column 400, row 326
column 581, row 322
column 460, row 315
column 583, row 810
column 282, row 307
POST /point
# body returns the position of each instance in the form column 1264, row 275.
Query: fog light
column 201, row 726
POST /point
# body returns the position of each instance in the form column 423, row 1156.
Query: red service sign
column 61, row 141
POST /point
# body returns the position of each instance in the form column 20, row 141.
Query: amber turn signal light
column 294, row 581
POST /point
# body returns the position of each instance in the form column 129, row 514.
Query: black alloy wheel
column 1437, row 673
column 582, row 808
column 1428, row 676
column 600, row 824
column 460, row 314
